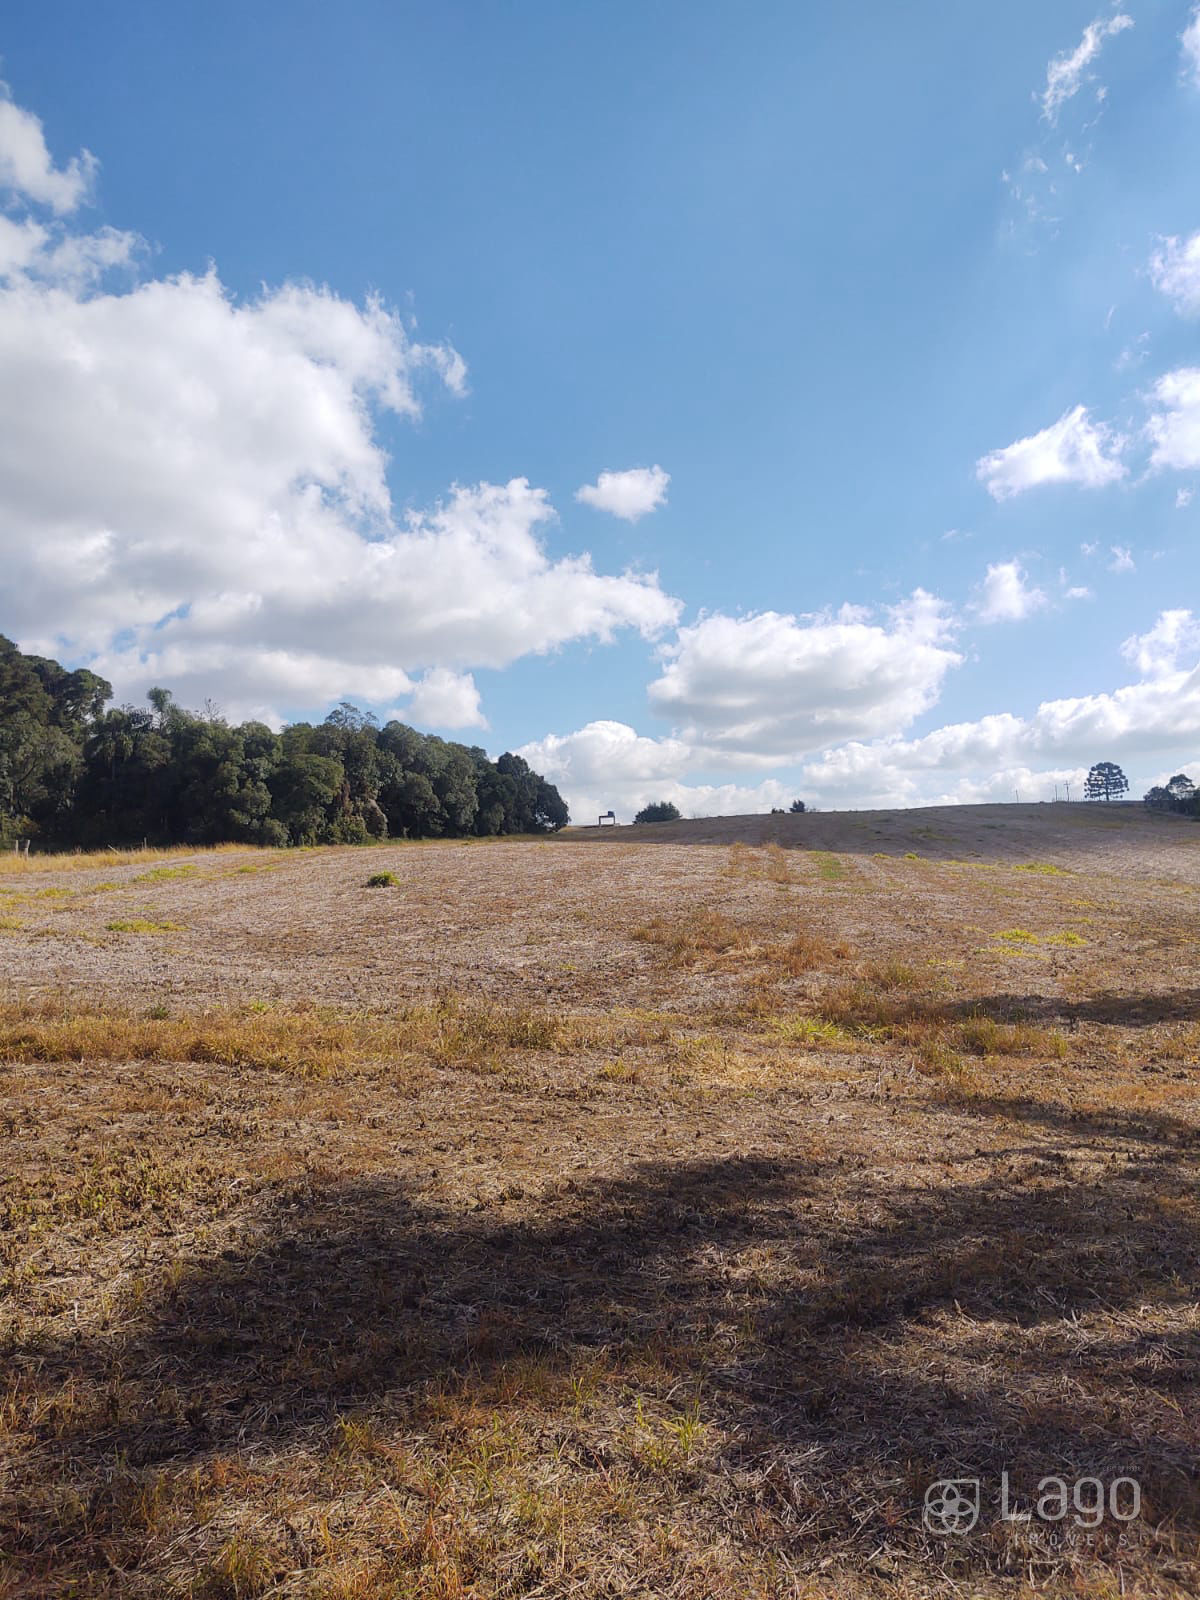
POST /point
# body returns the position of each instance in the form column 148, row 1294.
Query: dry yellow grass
column 572, row 1222
column 17, row 864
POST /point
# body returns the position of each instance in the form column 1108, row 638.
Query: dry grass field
column 655, row 1212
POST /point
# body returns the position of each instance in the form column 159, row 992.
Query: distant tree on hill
column 1105, row 781
column 659, row 811
column 796, row 807
column 1178, row 794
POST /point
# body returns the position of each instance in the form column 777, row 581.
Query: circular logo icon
column 952, row 1505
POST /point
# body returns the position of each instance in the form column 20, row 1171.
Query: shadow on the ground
column 1118, row 1009
column 1164, row 1133
column 861, row 1337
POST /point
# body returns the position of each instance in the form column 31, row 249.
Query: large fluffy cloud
column 766, row 687
column 193, row 488
column 1152, row 721
column 1072, row 450
column 608, row 766
column 1155, row 715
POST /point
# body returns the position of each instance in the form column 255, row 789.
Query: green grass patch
column 383, row 880
column 160, row 874
column 809, row 1030
column 1018, row 936
column 142, row 925
column 1066, row 938
column 830, row 869
column 1047, row 869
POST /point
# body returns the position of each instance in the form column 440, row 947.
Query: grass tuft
column 142, row 925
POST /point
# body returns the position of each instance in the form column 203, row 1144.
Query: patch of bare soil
column 642, row 1220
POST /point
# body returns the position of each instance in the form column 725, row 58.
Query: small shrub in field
column 383, row 880
column 810, row 1030
column 659, row 811
column 938, row 1060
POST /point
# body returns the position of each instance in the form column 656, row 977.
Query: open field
column 654, row 1212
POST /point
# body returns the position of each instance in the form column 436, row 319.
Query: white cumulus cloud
column 1156, row 718
column 1005, row 594
column 608, row 766
column 1174, row 426
column 770, row 686
column 1173, row 641
column 193, row 489
column 1067, row 72
column 446, row 699
column 1072, row 450
column 1175, row 269
column 26, row 166
column 630, row 495
column 1159, row 713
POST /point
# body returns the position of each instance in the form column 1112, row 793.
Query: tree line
column 75, row 771
column 1106, row 781
column 1178, row 794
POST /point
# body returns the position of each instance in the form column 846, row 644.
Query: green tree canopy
column 1105, row 781
column 659, row 811
column 76, row 773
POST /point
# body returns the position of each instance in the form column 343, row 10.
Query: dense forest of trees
column 74, row 773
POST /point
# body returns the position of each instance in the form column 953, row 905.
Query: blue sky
column 316, row 323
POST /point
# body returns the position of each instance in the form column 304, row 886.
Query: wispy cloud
column 1066, row 73
column 1189, row 39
